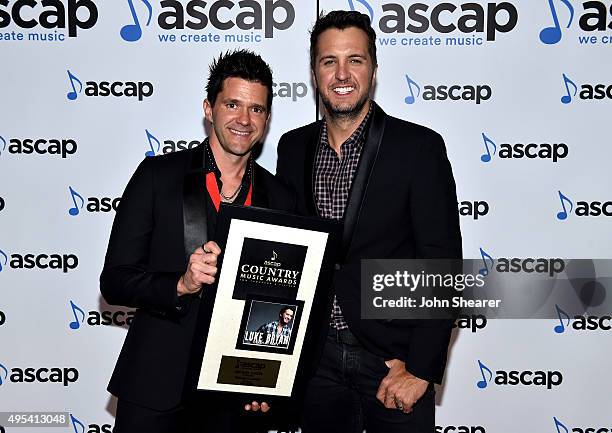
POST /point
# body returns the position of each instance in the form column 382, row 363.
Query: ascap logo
column 581, row 323
column 94, row 204
column 528, row 149
column 61, row 147
column 588, row 92
column 63, row 262
column 79, row 427
column 594, row 18
column 117, row 89
column 562, row 428
column 169, row 145
column 475, row 209
column 583, row 208
column 73, row 15
column 98, row 318
column 293, row 91
column 447, row 92
column 63, row 375
column 548, row 379
column 529, row 265
column 474, row 322
column 255, row 21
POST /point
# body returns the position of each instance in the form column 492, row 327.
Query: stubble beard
column 344, row 113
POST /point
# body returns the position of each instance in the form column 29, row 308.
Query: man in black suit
column 159, row 260
column 391, row 184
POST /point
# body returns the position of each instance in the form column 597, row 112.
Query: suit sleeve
column 126, row 279
column 436, row 230
column 282, row 160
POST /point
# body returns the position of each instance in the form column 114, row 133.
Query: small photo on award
column 269, row 325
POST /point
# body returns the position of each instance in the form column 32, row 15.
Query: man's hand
column 201, row 269
column 255, row 406
column 400, row 389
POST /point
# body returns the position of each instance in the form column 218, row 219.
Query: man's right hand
column 201, row 269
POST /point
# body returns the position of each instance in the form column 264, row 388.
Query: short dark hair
column 285, row 308
column 341, row 20
column 243, row 64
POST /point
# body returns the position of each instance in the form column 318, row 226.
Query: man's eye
column 328, row 62
column 231, row 105
column 258, row 109
column 358, row 61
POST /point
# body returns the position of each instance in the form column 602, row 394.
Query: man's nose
column 342, row 72
column 244, row 117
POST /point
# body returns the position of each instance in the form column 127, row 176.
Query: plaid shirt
column 272, row 328
column 333, row 178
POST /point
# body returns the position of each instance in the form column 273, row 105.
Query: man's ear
column 208, row 110
column 374, row 75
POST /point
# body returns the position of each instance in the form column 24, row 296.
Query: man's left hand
column 400, row 389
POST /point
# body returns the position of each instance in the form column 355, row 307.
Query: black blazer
column 161, row 220
column 402, row 204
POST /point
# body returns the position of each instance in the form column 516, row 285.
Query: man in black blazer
column 160, row 257
column 391, row 184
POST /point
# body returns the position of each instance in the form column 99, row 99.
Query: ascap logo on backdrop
column 529, row 150
column 451, row 92
column 55, row 15
column 221, row 21
column 593, row 17
column 562, row 428
column 117, row 89
column 467, row 24
column 581, row 323
column 294, row 91
column 460, row 429
column 588, row 92
column 475, row 209
column 583, row 208
column 63, row 375
column 94, row 204
column 97, row 318
column 61, row 147
column 169, row 146
column 550, row 266
column 65, row 262
column 474, row 322
column 79, row 427
column 544, row 378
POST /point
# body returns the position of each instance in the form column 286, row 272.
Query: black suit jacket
column 161, row 220
column 402, row 204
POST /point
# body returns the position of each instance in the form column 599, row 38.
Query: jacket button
column 337, row 266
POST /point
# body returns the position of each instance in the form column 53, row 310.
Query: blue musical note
column 485, row 271
column 486, row 157
column 76, row 422
column 365, row 4
column 552, row 35
column 566, row 99
column 560, row 328
column 563, row 214
column 559, row 425
column 133, row 32
column 484, row 382
column 5, row 373
column 74, row 211
column 152, row 139
column 76, row 324
column 5, row 259
column 3, row 144
column 73, row 95
column 411, row 98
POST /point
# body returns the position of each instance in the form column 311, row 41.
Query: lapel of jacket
column 359, row 186
column 260, row 196
column 312, row 143
column 195, row 229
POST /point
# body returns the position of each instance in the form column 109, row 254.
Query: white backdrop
column 519, row 73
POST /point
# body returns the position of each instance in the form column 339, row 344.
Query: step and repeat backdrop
column 520, row 90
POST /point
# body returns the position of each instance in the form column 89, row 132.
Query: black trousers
column 341, row 397
column 201, row 415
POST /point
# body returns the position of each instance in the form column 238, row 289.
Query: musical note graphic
column 485, row 271
column 3, row 368
column 274, row 255
column 552, row 35
column 411, row 98
column 365, row 4
column 3, row 144
column 133, row 32
column 560, row 328
column 486, row 157
column 73, row 95
column 152, row 139
column 563, row 214
column 566, row 99
column 76, row 422
column 559, row 426
column 74, row 211
column 76, row 324
column 484, row 382
column 5, row 260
